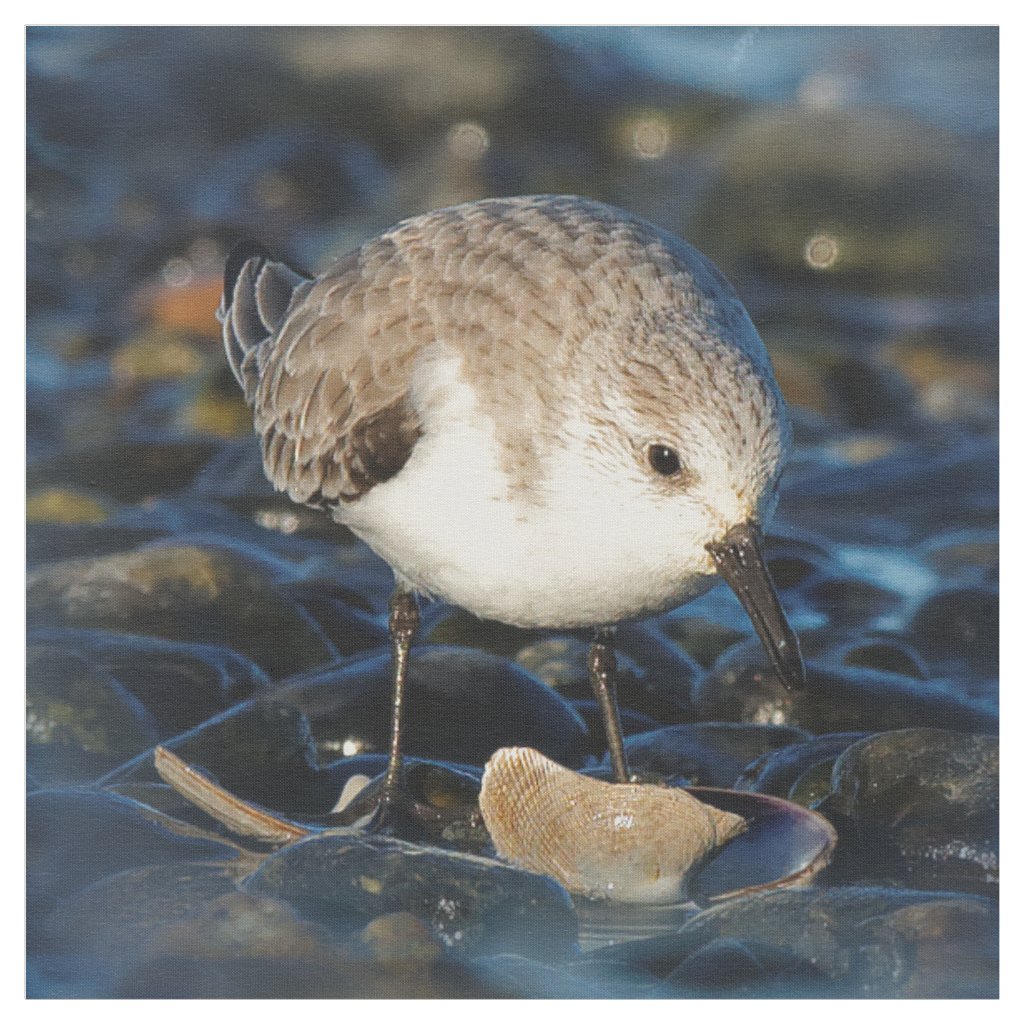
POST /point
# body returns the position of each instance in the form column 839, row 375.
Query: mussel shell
column 627, row 842
column 549, row 819
column 783, row 845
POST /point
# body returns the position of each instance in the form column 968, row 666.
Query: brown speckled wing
column 331, row 399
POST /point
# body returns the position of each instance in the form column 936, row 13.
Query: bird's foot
column 387, row 811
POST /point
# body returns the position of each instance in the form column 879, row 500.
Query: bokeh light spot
column 821, row 252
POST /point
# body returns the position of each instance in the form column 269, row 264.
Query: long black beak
column 740, row 563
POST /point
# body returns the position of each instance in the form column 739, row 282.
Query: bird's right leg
column 602, row 667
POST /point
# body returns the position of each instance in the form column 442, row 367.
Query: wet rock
column 344, row 880
column 953, row 371
column 706, row 753
column 198, row 594
column 126, row 472
column 923, row 806
column 54, row 542
column 401, row 941
column 455, row 627
column 277, row 512
column 851, row 602
column 960, row 628
column 260, row 750
column 870, row 396
column 116, row 917
column 883, row 654
column 460, row 705
column 179, row 684
column 167, row 801
column 776, row 771
column 792, row 562
column 343, row 617
column 742, row 688
column 902, row 499
column 78, row 836
column 965, row 557
column 156, row 355
column 80, row 721
column 64, row 505
column 632, row 722
column 871, row 201
column 653, row 678
column 839, row 942
column 702, row 639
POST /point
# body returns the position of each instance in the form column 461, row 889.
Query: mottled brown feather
column 531, row 293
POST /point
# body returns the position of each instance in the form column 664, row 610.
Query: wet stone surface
column 478, row 906
column 78, row 836
column 836, row 699
column 852, row 942
column 351, row 705
column 706, row 753
column 922, row 805
column 194, row 594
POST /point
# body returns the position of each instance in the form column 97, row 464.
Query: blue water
column 948, row 76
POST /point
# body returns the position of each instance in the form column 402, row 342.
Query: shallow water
column 845, row 180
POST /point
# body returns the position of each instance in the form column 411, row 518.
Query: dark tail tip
column 240, row 255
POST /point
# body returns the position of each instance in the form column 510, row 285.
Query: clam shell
column 631, row 843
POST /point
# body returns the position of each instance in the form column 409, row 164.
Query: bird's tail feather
column 257, row 293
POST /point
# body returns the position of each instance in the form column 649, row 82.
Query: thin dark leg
column 602, row 666
column 402, row 625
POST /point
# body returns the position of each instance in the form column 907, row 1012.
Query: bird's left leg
column 403, row 622
column 602, row 667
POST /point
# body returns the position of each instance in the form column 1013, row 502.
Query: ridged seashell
column 626, row 842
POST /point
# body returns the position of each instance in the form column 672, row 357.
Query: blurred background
column 844, row 179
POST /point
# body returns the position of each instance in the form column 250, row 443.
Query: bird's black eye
column 663, row 460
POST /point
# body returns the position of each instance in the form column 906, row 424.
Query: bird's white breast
column 585, row 548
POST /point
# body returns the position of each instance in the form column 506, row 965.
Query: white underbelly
column 451, row 525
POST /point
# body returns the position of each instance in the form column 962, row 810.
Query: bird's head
column 701, row 432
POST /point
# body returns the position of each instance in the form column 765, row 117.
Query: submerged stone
column 116, row 917
column 922, row 805
column 742, row 688
column 777, row 771
column 460, row 705
column 960, row 629
column 833, row 942
column 80, row 721
column 343, row 880
column 78, row 836
column 179, row 684
column 127, row 471
column 706, row 753
column 192, row 593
